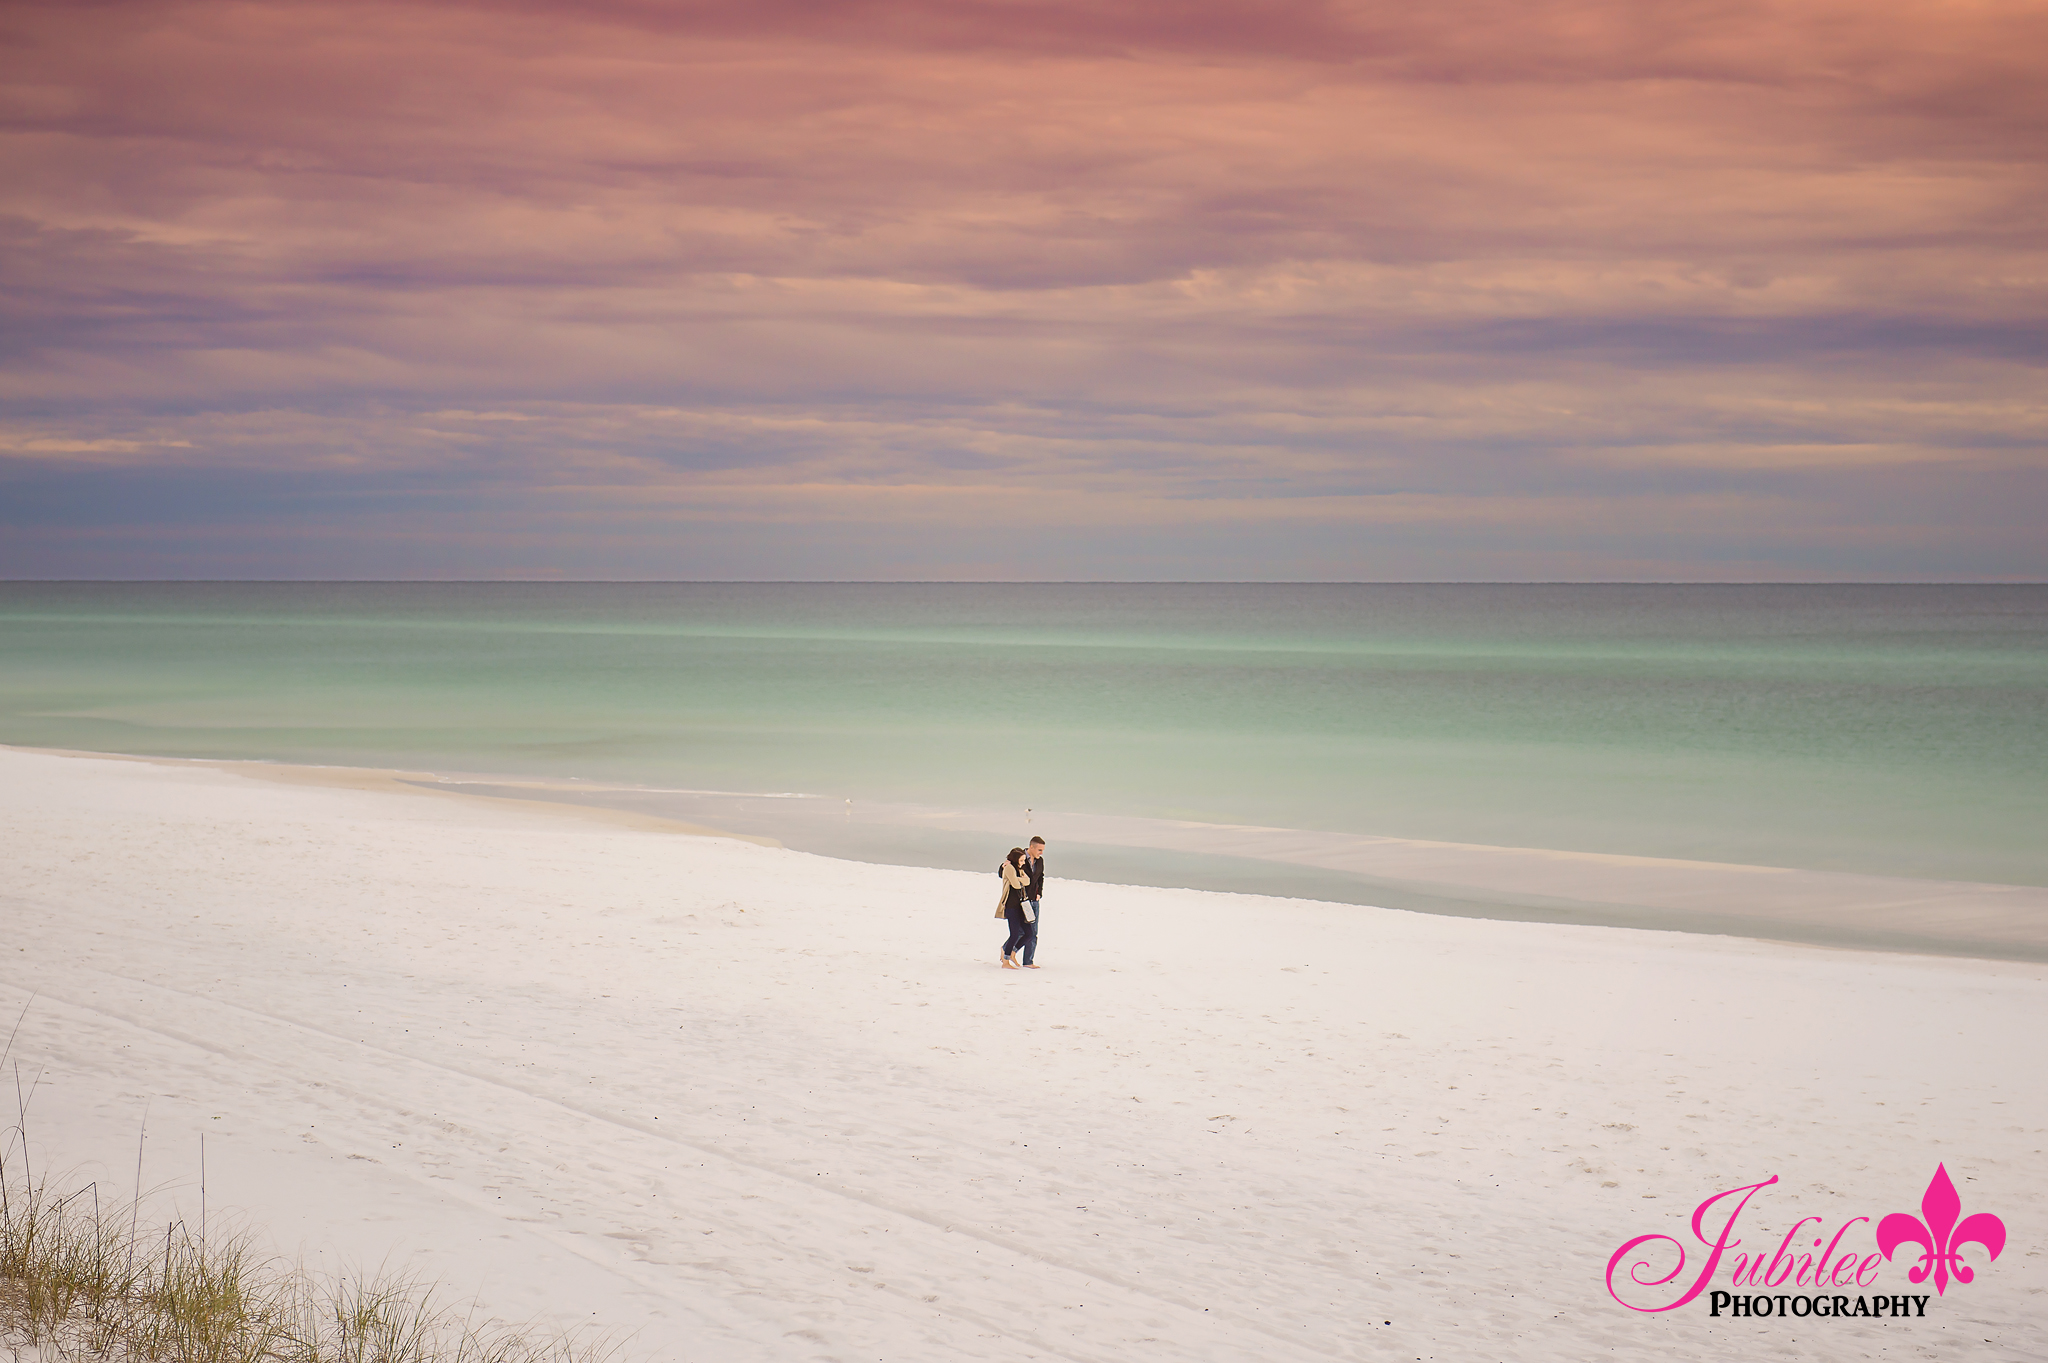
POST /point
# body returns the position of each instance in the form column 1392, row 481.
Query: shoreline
column 390, row 781
column 1510, row 884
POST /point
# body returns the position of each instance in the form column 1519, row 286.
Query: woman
column 1016, row 884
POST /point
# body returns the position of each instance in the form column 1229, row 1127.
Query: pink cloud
column 1149, row 255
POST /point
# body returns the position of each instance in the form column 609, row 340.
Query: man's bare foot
column 1031, row 965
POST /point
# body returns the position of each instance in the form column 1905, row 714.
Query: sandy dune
column 752, row 1104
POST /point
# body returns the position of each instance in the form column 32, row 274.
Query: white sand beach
column 742, row 1103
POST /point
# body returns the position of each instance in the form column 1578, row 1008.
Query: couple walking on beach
column 1023, row 873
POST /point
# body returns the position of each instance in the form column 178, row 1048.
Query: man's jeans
column 1031, row 932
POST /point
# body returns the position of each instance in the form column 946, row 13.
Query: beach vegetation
column 82, row 1281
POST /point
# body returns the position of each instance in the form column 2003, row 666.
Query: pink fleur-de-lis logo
column 1938, row 1235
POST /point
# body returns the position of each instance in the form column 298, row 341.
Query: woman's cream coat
column 1013, row 879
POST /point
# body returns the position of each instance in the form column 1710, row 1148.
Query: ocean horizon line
column 1986, row 581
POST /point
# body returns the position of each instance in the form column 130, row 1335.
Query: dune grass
column 95, row 1283
column 80, row 1282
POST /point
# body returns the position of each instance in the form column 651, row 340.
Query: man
column 1034, row 866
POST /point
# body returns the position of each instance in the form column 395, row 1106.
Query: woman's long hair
column 1017, row 858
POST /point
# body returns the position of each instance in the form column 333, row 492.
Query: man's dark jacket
column 1036, row 866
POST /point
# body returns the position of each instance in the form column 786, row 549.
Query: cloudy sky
column 1552, row 289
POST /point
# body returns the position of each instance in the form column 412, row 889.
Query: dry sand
column 747, row 1103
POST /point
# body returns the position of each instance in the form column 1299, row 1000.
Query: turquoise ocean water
column 1901, row 730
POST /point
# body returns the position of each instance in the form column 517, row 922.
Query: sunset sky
column 1551, row 289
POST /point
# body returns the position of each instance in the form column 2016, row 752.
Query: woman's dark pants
column 1021, row 932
